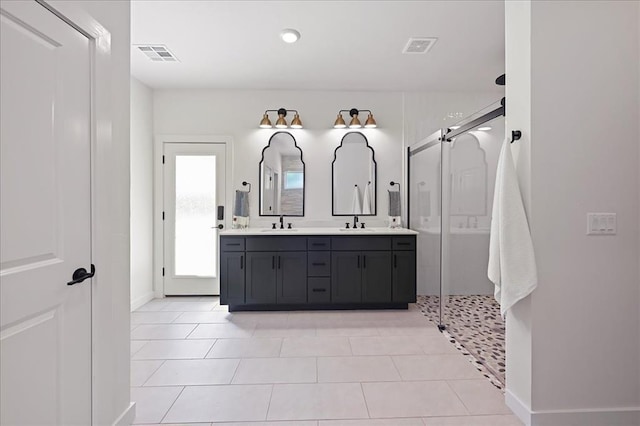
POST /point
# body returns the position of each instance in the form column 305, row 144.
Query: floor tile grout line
column 210, row 349
column 393, row 361
column 172, row 404
column 235, row 371
column 266, row 416
column 459, row 398
column 153, row 372
column 364, row 397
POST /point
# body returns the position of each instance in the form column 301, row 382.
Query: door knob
column 81, row 274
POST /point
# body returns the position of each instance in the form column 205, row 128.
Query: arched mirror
column 282, row 177
column 354, row 177
column 468, row 177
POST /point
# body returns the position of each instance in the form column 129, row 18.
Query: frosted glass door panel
column 193, row 194
column 196, row 233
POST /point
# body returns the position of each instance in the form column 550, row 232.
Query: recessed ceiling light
column 484, row 129
column 289, row 35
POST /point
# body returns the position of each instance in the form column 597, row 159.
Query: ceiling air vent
column 157, row 52
column 419, row 45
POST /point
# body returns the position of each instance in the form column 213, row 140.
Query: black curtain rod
column 451, row 133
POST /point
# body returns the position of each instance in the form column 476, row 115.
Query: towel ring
column 515, row 135
column 392, row 183
column 245, row 184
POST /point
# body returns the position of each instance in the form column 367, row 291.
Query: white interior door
column 194, row 189
column 45, row 221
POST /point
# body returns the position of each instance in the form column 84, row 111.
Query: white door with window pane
column 194, row 194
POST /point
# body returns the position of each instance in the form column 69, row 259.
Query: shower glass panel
column 425, row 218
column 469, row 164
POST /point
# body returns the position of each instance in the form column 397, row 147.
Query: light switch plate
column 601, row 224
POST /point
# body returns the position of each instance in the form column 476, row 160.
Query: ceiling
column 344, row 45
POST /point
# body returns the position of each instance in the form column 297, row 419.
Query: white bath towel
column 512, row 265
column 366, row 199
column 356, row 204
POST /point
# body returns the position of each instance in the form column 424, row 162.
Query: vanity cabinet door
column 404, row 276
column 291, row 277
column 376, row 276
column 346, row 277
column 261, row 277
column 232, row 267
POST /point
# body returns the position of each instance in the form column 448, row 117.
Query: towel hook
column 245, row 184
column 515, row 135
column 392, row 183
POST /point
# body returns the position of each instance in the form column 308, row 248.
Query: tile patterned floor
column 475, row 326
column 192, row 362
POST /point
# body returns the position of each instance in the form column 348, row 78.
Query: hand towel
column 512, row 265
column 394, row 209
column 366, row 199
column 356, row 204
column 241, row 210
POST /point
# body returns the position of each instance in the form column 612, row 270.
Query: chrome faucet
column 281, row 221
column 355, row 222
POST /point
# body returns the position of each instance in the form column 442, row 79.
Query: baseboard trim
column 583, row 417
column 519, row 408
column 587, row 417
column 127, row 417
column 136, row 303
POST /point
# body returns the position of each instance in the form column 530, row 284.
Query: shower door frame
column 446, row 135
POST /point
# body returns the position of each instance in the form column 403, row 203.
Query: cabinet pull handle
column 319, row 290
column 395, row 261
column 403, row 244
column 318, row 264
column 278, row 262
column 233, row 244
column 364, row 261
column 273, row 262
column 358, row 261
column 242, row 262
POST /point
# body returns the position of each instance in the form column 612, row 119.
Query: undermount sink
column 280, row 230
column 356, row 231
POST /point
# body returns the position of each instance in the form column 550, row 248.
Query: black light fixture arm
column 354, row 111
column 281, row 111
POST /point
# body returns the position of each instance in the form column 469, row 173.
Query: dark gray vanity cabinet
column 276, row 270
column 404, row 269
column 328, row 272
column 362, row 276
column 232, row 271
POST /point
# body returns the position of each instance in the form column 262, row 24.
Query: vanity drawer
column 404, row 243
column 360, row 243
column 318, row 244
column 319, row 263
column 319, row 290
column 276, row 243
column 232, row 244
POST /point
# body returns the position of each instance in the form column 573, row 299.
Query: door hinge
column 163, row 159
column 163, row 272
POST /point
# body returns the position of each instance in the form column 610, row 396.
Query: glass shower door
column 425, row 217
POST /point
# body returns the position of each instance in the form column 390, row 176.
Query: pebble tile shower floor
column 474, row 324
column 193, row 362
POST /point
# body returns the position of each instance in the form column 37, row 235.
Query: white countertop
column 318, row 231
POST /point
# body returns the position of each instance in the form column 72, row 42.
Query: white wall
column 582, row 320
column 141, row 194
column 238, row 113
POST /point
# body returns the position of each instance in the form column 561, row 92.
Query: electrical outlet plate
column 601, row 224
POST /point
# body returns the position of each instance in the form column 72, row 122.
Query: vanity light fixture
column 281, row 122
column 355, row 123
